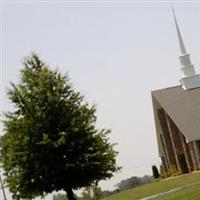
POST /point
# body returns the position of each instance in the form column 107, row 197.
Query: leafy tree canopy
column 133, row 182
column 155, row 172
column 50, row 141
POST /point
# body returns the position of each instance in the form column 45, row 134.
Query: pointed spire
column 180, row 39
column 189, row 80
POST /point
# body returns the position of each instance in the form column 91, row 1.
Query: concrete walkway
column 170, row 191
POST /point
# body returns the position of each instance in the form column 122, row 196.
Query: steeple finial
column 180, row 39
column 189, row 80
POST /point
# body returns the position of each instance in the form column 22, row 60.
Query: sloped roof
column 183, row 106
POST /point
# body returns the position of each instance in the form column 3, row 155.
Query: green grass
column 160, row 186
column 192, row 193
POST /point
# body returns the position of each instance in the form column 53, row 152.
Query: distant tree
column 50, row 141
column 62, row 196
column 107, row 193
column 128, row 183
column 93, row 192
column 146, row 179
column 59, row 197
column 86, row 194
column 133, row 182
column 155, row 172
column 98, row 194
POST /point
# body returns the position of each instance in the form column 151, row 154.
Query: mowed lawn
column 163, row 186
column 192, row 193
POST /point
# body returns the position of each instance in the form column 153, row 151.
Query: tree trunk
column 70, row 194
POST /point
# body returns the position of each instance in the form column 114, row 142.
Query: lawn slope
column 162, row 186
column 192, row 193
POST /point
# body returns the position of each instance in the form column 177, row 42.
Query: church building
column 177, row 117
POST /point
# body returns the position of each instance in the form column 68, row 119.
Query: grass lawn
column 192, row 193
column 161, row 186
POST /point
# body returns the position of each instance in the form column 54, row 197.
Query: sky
column 116, row 53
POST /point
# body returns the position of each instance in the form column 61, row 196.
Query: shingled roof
column 183, row 107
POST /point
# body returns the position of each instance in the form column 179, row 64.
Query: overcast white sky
column 116, row 53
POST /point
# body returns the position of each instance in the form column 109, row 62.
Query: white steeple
column 190, row 79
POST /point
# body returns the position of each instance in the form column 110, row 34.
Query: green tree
column 86, row 194
column 59, row 197
column 93, row 192
column 50, row 141
column 155, row 172
column 62, row 196
column 98, row 193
